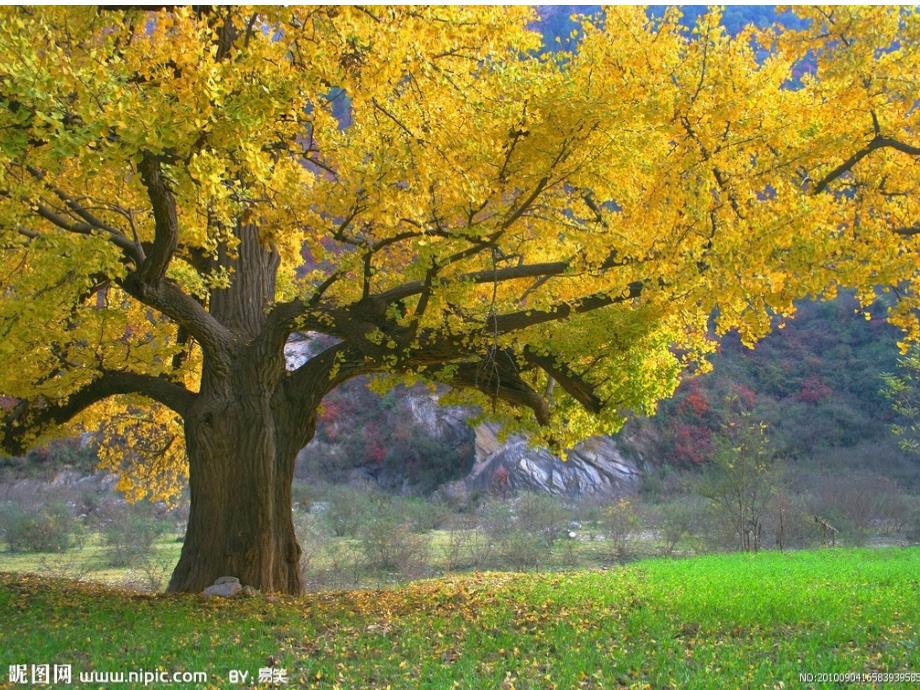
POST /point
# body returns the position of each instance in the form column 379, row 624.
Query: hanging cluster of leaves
column 550, row 233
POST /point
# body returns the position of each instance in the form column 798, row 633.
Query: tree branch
column 877, row 142
column 148, row 284
column 131, row 250
column 519, row 320
column 323, row 372
column 30, row 418
column 511, row 273
column 544, row 270
column 498, row 377
column 166, row 223
column 571, row 382
column 170, row 300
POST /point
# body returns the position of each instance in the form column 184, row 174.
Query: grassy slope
column 727, row 621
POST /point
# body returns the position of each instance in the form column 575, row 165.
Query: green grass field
column 725, row 621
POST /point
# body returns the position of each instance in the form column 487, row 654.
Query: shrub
column 620, row 522
column 589, row 510
column 861, row 504
column 741, row 480
column 458, row 497
column 679, row 520
column 130, row 540
column 423, row 514
column 466, row 545
column 543, row 516
column 304, row 494
column 343, row 568
column 520, row 533
column 348, row 508
column 39, row 529
column 912, row 522
column 495, row 517
column 790, row 522
column 390, row 545
column 73, row 565
column 152, row 575
column 521, row 549
column 313, row 537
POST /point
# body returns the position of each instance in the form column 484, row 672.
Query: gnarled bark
column 242, row 438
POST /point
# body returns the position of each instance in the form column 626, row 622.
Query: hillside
column 816, row 384
column 724, row 621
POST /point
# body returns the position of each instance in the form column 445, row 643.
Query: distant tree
column 741, row 479
column 902, row 389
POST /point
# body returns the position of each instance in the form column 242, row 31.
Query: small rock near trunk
column 223, row 587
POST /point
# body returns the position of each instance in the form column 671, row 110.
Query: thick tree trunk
column 241, row 465
column 242, row 436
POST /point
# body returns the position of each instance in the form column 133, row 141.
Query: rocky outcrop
column 342, row 452
column 445, row 422
column 596, row 467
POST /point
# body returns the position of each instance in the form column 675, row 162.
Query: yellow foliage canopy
column 481, row 215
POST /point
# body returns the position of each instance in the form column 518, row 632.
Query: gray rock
column 223, row 587
column 299, row 348
column 595, row 467
column 228, row 590
column 249, row 591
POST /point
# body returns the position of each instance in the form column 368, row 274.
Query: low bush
column 130, row 541
column 466, row 546
column 423, row 514
column 347, row 508
column 304, row 494
column 391, row 545
column 520, row 549
column 151, row 575
column 789, row 522
column 912, row 522
column 543, row 516
column 860, row 505
column 680, row 521
column 314, row 539
column 520, row 534
column 495, row 517
column 620, row 522
column 45, row 528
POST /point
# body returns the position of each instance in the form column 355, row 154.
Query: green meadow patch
column 724, row 621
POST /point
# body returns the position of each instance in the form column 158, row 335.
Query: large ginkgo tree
column 555, row 236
